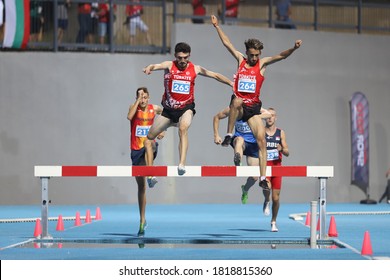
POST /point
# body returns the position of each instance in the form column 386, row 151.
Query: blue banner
column 360, row 141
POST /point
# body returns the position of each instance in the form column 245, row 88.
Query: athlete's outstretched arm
column 282, row 55
column 159, row 66
column 221, row 115
column 217, row 76
column 225, row 39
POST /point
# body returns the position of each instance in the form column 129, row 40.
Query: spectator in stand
column 85, row 23
column 36, row 21
column 199, row 10
column 94, row 22
column 134, row 21
column 63, row 21
column 104, row 20
column 231, row 10
column 283, row 13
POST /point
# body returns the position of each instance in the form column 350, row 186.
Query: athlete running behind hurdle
column 141, row 116
column 244, row 143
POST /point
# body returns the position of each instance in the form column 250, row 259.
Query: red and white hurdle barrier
column 46, row 172
column 191, row 171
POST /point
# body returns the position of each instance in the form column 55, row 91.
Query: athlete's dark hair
column 253, row 44
column 145, row 89
column 182, row 47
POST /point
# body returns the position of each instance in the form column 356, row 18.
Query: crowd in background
column 140, row 23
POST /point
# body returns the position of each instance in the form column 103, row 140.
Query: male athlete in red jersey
column 245, row 104
column 178, row 97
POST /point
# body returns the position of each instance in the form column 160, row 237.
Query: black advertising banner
column 360, row 141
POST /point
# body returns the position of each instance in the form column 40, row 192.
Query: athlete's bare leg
column 234, row 113
column 258, row 129
column 160, row 124
column 239, row 147
column 150, row 148
column 250, row 181
column 184, row 124
column 141, row 198
column 275, row 204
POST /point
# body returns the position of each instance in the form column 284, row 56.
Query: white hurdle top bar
column 191, row 171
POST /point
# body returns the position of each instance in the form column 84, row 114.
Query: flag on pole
column 360, row 141
column 17, row 24
column 1, row 13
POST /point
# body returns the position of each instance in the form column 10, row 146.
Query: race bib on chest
column 243, row 127
column 272, row 154
column 141, row 131
column 180, row 87
column 247, row 85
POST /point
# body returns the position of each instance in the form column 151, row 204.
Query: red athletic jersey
column 179, row 86
column 139, row 127
column 134, row 10
column 199, row 9
column 104, row 12
column 231, row 8
column 247, row 83
column 84, row 8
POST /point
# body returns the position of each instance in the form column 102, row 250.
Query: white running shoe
column 181, row 169
column 151, row 181
column 266, row 208
column 273, row 227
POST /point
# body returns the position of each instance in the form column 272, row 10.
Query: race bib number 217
column 141, row 131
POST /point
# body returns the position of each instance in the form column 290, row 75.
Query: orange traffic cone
column 60, row 224
column 366, row 248
column 38, row 228
column 78, row 220
column 98, row 215
column 332, row 228
column 88, row 216
column 308, row 218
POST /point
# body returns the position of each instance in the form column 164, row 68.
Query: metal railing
column 353, row 16
column 357, row 16
column 45, row 27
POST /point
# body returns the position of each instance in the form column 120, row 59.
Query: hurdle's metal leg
column 313, row 231
column 322, row 206
column 45, row 206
